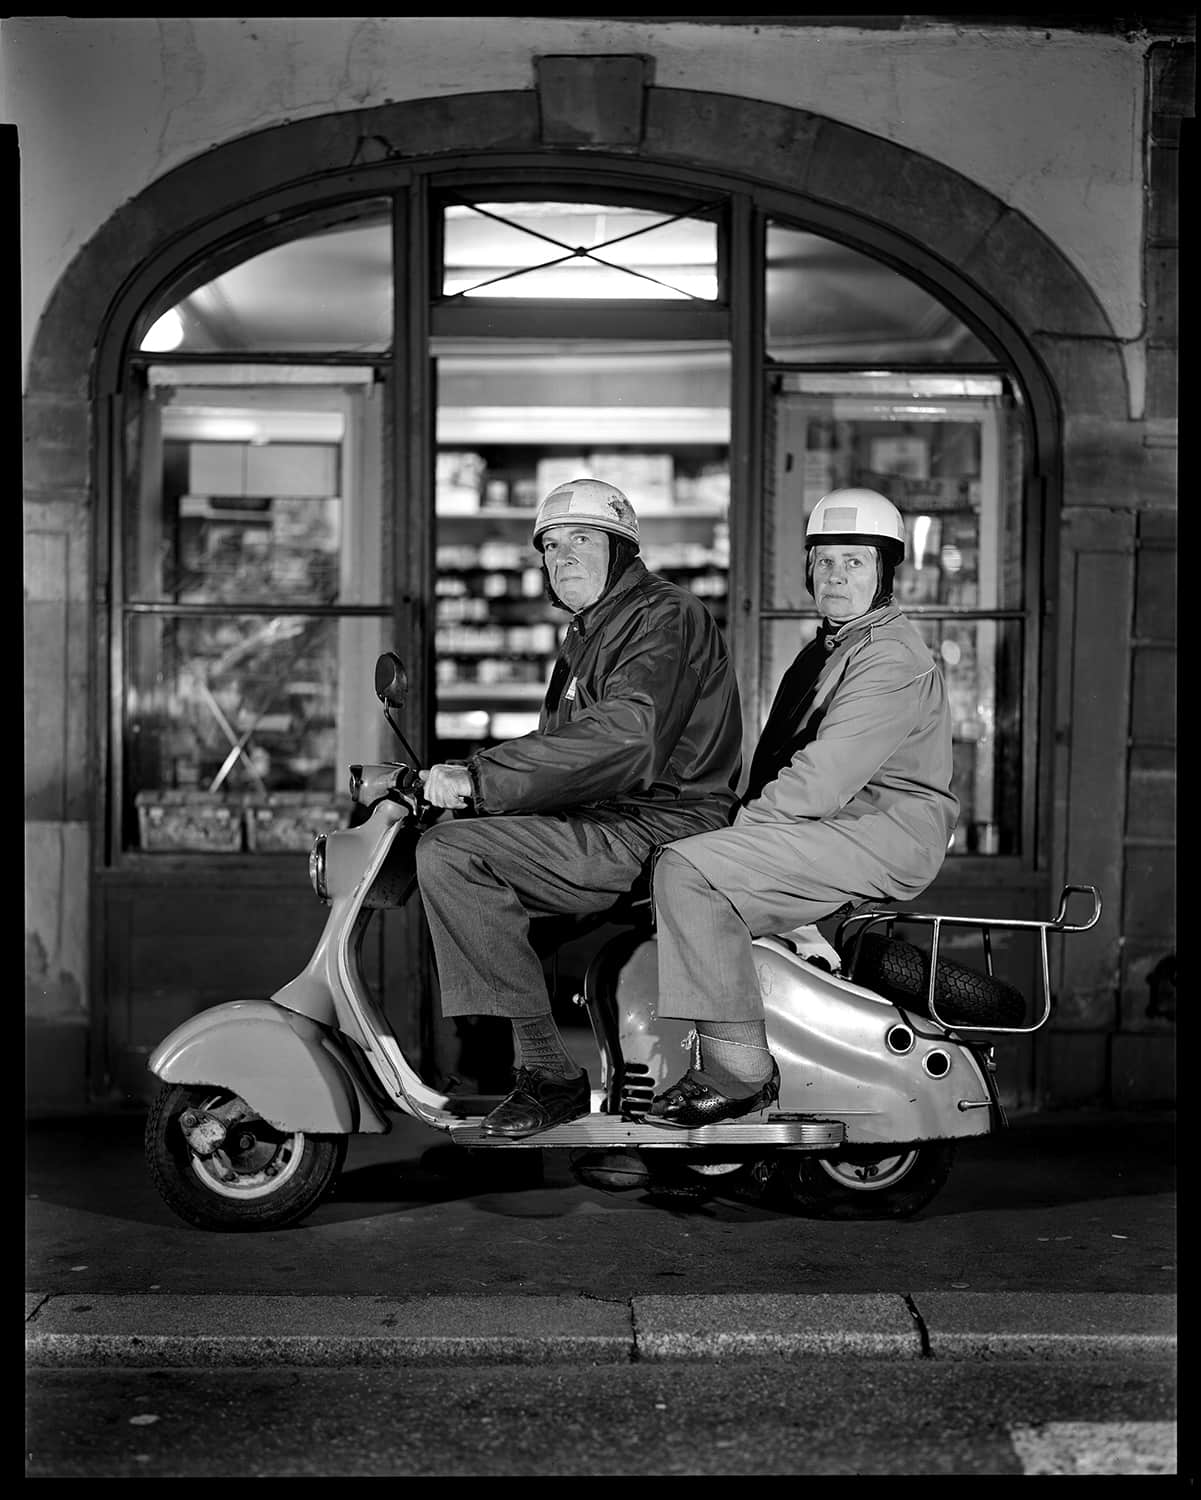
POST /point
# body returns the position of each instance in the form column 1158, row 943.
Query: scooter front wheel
column 891, row 1182
column 259, row 1177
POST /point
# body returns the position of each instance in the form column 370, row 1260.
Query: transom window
column 589, row 251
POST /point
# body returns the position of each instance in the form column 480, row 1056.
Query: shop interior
column 259, row 532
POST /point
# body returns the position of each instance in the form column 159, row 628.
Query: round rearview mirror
column 391, row 680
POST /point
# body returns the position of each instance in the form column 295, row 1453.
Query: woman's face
column 577, row 562
column 844, row 580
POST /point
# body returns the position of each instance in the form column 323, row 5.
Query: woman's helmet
column 587, row 502
column 862, row 518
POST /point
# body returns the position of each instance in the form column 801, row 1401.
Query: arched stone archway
column 986, row 258
column 935, row 220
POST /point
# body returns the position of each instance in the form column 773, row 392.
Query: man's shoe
column 539, row 1101
column 690, row 1103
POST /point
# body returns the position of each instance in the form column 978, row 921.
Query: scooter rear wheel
column 259, row 1178
column 892, row 1182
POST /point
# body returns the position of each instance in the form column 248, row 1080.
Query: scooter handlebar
column 369, row 783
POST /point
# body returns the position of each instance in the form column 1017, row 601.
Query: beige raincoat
column 864, row 808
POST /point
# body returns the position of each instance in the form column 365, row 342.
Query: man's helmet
column 862, row 518
column 587, row 502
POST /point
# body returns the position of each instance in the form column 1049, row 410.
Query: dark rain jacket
column 641, row 719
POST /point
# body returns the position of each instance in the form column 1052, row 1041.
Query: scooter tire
column 678, row 1177
column 893, row 1182
column 901, row 972
column 265, row 1179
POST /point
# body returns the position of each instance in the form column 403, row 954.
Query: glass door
column 510, row 427
column 253, row 613
column 946, row 451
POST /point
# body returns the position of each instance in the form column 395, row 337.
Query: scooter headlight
column 317, row 867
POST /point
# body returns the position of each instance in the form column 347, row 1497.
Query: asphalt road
column 843, row 1416
column 1056, row 1204
column 158, row 1350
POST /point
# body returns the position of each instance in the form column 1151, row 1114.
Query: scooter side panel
column 828, row 1037
column 282, row 1063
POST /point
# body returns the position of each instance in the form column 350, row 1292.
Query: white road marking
column 1096, row 1448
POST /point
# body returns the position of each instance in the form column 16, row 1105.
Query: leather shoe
column 689, row 1103
column 539, row 1101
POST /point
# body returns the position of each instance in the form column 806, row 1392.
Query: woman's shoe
column 689, row 1103
column 539, row 1102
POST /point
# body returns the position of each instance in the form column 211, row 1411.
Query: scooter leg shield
column 655, row 1049
column 292, row 1071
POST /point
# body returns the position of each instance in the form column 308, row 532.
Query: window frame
column 457, row 316
column 267, row 218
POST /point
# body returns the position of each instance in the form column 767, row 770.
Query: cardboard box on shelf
column 290, row 821
column 552, row 472
column 646, row 479
column 178, row 821
column 458, row 479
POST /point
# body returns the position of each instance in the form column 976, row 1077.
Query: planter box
column 290, row 821
column 171, row 821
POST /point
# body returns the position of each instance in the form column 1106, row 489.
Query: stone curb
column 210, row 1330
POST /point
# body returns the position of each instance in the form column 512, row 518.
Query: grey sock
column 538, row 1044
column 734, row 1056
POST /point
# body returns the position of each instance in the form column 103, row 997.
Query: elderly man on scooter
column 638, row 744
column 848, row 798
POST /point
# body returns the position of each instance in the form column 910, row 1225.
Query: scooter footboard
column 292, row 1071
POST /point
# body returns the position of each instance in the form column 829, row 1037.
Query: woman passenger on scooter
column 848, row 798
column 638, row 743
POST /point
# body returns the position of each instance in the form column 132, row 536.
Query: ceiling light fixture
column 164, row 335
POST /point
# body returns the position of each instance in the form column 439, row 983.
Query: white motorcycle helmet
column 587, row 502
column 859, row 518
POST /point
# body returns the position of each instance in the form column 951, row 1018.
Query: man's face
column 577, row 560
column 844, row 581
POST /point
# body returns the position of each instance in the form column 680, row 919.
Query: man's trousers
column 482, row 881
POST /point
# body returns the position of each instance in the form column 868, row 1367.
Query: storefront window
column 827, row 303
column 946, row 451
column 655, row 422
column 254, row 581
column 580, row 251
column 325, row 288
column 567, row 336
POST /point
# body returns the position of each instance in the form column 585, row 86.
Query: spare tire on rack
column 901, row 972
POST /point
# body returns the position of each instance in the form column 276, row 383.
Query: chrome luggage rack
column 937, row 921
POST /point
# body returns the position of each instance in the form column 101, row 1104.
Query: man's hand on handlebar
column 447, row 786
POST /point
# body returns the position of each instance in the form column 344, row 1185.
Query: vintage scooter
column 883, row 1047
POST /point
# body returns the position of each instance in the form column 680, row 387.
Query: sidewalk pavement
column 218, row 1330
column 1054, row 1240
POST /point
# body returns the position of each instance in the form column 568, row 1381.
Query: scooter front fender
column 292, row 1071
